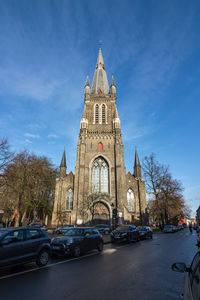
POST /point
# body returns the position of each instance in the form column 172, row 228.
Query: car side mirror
column 179, row 267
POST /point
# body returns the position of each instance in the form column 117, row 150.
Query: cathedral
column 100, row 191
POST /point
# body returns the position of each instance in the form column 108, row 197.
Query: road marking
column 110, row 251
column 47, row 266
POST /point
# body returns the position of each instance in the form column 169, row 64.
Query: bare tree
column 166, row 199
column 5, row 157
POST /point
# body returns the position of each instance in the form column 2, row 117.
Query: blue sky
column 47, row 48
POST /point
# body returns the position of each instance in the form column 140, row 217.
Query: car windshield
column 74, row 232
column 144, row 229
column 3, row 231
column 122, row 228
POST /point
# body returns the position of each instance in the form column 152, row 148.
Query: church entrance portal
column 101, row 214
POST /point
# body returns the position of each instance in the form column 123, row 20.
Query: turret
column 84, row 120
column 63, row 166
column 87, row 87
column 116, row 120
column 113, row 87
column 137, row 166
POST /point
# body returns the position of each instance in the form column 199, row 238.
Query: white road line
column 47, row 266
column 63, row 262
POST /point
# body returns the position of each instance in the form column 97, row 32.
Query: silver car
column 192, row 278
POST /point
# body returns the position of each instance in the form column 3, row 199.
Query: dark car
column 169, row 229
column 192, row 277
column 146, row 232
column 23, row 245
column 103, row 228
column 127, row 233
column 63, row 229
column 76, row 241
column 38, row 225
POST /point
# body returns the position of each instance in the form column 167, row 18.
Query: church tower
column 102, row 192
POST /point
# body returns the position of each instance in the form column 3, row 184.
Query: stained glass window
column 69, row 199
column 104, row 178
column 130, row 200
column 100, row 176
column 95, row 178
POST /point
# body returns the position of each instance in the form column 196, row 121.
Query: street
column 140, row 270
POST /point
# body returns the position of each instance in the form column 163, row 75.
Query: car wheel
column 76, row 251
column 100, row 247
column 112, row 240
column 129, row 239
column 43, row 258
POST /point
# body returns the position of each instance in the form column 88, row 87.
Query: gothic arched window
column 103, row 114
column 69, row 199
column 100, row 176
column 96, row 113
column 130, row 200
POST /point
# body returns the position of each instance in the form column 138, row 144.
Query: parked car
column 1, row 225
column 76, row 241
column 180, row 226
column 63, row 229
column 103, row 228
column 192, row 277
column 127, row 233
column 198, row 239
column 145, row 232
column 23, row 245
column 38, row 225
column 169, row 228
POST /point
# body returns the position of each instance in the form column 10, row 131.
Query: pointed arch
column 103, row 114
column 131, row 200
column 96, row 114
column 69, row 199
column 100, row 175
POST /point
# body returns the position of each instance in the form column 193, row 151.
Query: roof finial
column 87, row 81
column 113, row 81
column 100, row 43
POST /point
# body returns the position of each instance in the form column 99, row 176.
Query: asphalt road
column 140, row 270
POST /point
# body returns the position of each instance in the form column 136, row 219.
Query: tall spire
column 63, row 161
column 137, row 166
column 137, row 162
column 100, row 82
column 63, row 166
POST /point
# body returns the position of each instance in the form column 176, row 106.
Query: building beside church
column 100, row 191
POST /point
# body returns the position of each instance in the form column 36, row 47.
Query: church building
column 100, row 191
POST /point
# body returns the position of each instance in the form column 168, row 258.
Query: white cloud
column 28, row 141
column 33, row 136
column 54, row 136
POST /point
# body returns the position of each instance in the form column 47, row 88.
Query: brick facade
column 100, row 140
